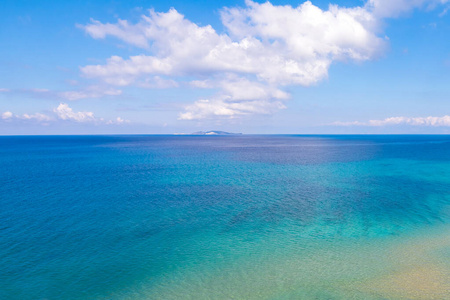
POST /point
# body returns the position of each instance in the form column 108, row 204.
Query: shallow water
column 225, row 217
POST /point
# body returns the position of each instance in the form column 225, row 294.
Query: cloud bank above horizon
column 63, row 112
column 443, row 121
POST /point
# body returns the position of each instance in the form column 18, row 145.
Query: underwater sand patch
column 425, row 282
column 419, row 272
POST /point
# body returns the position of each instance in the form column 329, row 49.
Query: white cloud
column 156, row 82
column 209, row 109
column 39, row 90
column 37, row 116
column 7, row 115
column 89, row 92
column 131, row 34
column 202, row 84
column 64, row 112
column 444, row 12
column 395, row 8
column 92, row 91
column 117, row 121
column 277, row 44
column 2, row 90
column 238, row 96
column 418, row 121
column 264, row 45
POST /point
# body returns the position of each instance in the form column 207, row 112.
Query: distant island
column 212, row 132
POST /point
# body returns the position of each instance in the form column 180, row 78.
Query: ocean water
column 225, row 217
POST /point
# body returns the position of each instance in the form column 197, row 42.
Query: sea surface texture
column 225, row 217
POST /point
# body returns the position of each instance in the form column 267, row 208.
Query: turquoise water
column 225, row 217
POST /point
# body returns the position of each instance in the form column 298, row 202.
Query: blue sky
column 91, row 67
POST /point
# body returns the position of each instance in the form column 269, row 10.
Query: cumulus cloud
column 207, row 109
column 264, row 45
column 64, row 112
column 278, row 44
column 418, row 121
column 237, row 97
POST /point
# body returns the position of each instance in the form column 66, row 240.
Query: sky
column 163, row 67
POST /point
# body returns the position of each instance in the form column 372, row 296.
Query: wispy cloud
column 36, row 116
column 7, row 115
column 157, row 82
column 392, row 121
column 117, row 121
column 395, row 8
column 444, row 12
column 132, row 34
column 62, row 113
column 88, row 92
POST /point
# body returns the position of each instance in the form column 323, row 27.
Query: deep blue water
column 217, row 217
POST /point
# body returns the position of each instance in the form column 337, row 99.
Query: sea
column 225, row 217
